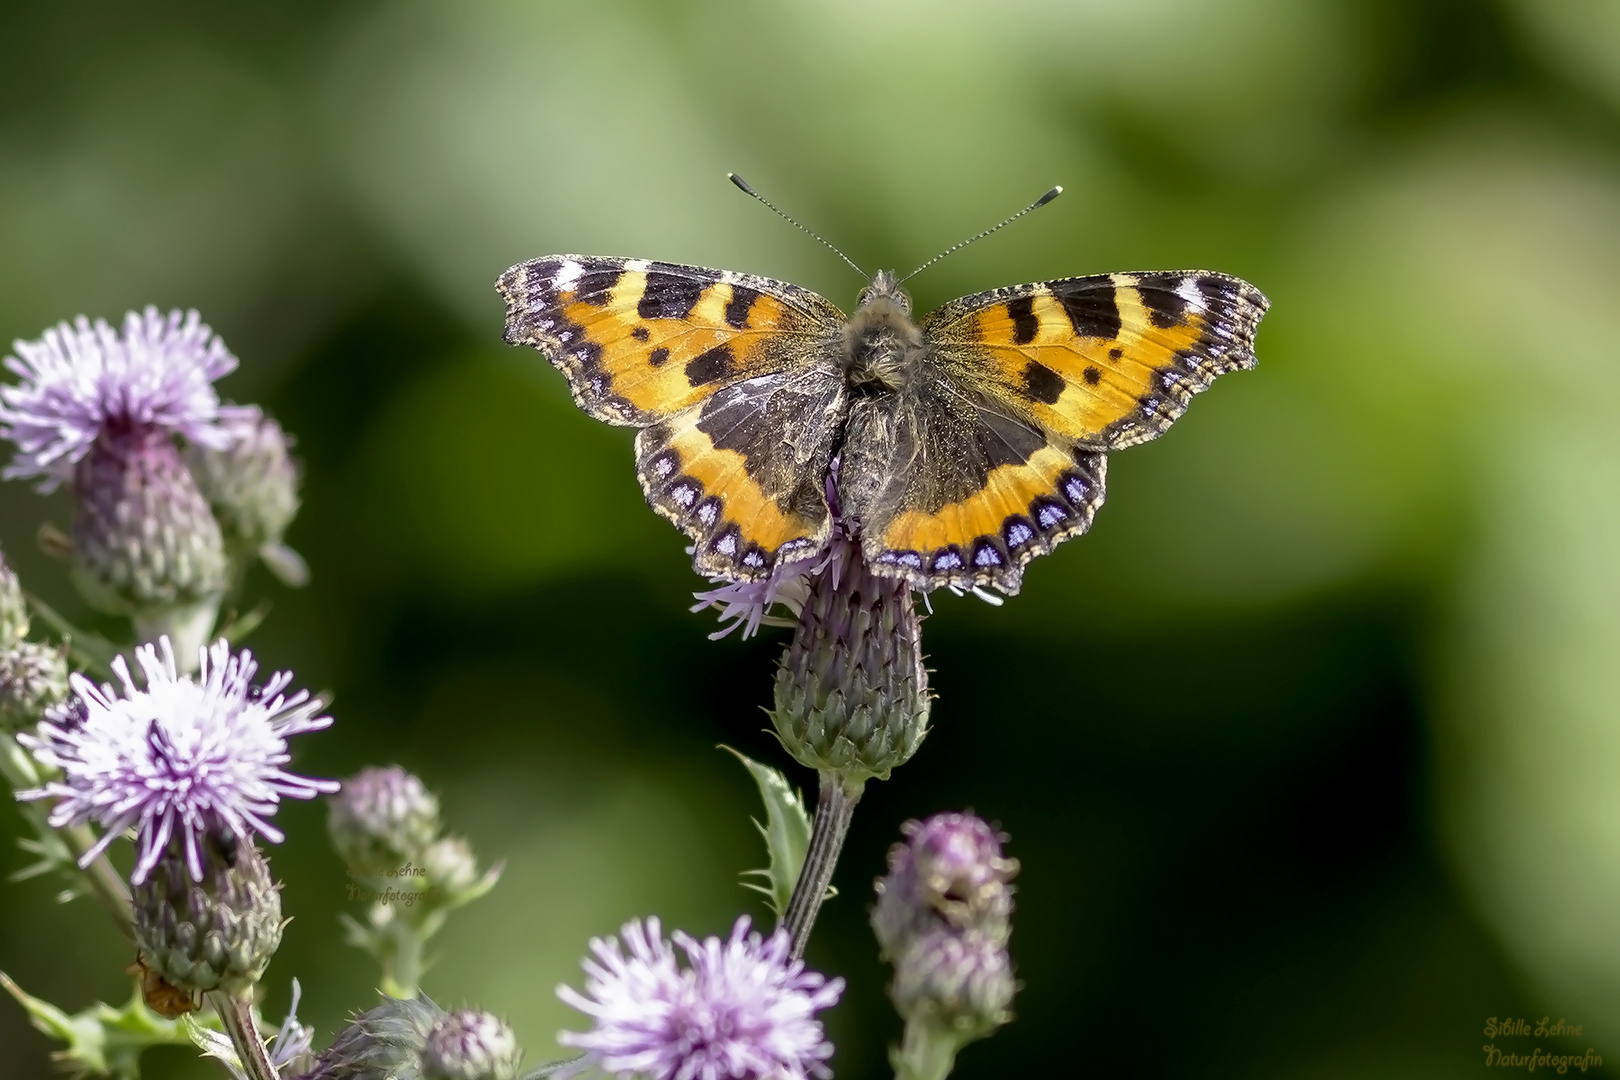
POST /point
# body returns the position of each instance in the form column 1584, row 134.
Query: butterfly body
column 968, row 441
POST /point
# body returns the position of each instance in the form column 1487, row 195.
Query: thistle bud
column 13, row 608
column 144, row 541
column 949, row 872
column 33, row 678
column 943, row 917
column 383, row 1043
column 382, row 819
column 959, row 980
column 215, row 934
column 451, row 867
column 471, row 1045
column 252, row 486
column 851, row 691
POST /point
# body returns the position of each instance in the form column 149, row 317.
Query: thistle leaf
column 786, row 831
column 101, row 1040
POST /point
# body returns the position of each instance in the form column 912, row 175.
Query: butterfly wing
column 729, row 377
column 1105, row 361
column 995, row 454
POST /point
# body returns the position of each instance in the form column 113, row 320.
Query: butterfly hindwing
column 643, row 341
column 1106, row 361
column 742, row 473
column 953, row 489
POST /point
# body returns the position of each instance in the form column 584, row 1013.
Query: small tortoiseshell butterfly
column 969, row 441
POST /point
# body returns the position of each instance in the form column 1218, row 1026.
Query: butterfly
column 966, row 442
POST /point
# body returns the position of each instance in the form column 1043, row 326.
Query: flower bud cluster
column 385, row 824
column 943, row 919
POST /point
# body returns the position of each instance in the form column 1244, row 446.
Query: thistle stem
column 927, row 1053
column 236, row 1016
column 833, row 813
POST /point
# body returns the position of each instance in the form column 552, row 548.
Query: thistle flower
column 741, row 1009
column 180, row 759
column 102, row 409
column 381, row 819
column 83, row 380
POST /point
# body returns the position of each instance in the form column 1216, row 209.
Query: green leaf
column 786, row 832
column 550, row 1068
column 101, row 1040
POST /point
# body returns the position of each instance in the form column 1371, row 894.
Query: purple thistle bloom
column 740, row 1010
column 80, row 379
column 183, row 757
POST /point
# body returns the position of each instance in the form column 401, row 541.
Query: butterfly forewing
column 641, row 341
column 1104, row 361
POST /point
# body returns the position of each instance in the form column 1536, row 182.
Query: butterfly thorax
column 881, row 345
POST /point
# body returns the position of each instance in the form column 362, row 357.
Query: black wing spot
column 640, row 333
column 1093, row 309
column 658, row 357
column 596, row 288
column 1115, row 353
column 1041, row 383
column 668, row 296
column 1025, row 324
column 1092, row 376
column 715, row 364
column 1165, row 307
column 737, row 308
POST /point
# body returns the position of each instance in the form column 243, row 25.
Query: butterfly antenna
column 743, row 185
column 1036, row 205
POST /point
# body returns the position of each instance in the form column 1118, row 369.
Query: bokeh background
column 1310, row 750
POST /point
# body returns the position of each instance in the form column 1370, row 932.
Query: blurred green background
column 1309, row 750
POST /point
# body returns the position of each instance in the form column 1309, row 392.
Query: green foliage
column 786, row 832
column 101, row 1040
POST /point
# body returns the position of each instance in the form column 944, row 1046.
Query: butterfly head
column 884, row 293
column 882, row 344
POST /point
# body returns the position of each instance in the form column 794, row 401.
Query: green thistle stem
column 236, row 1016
column 834, row 812
column 926, row 1053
